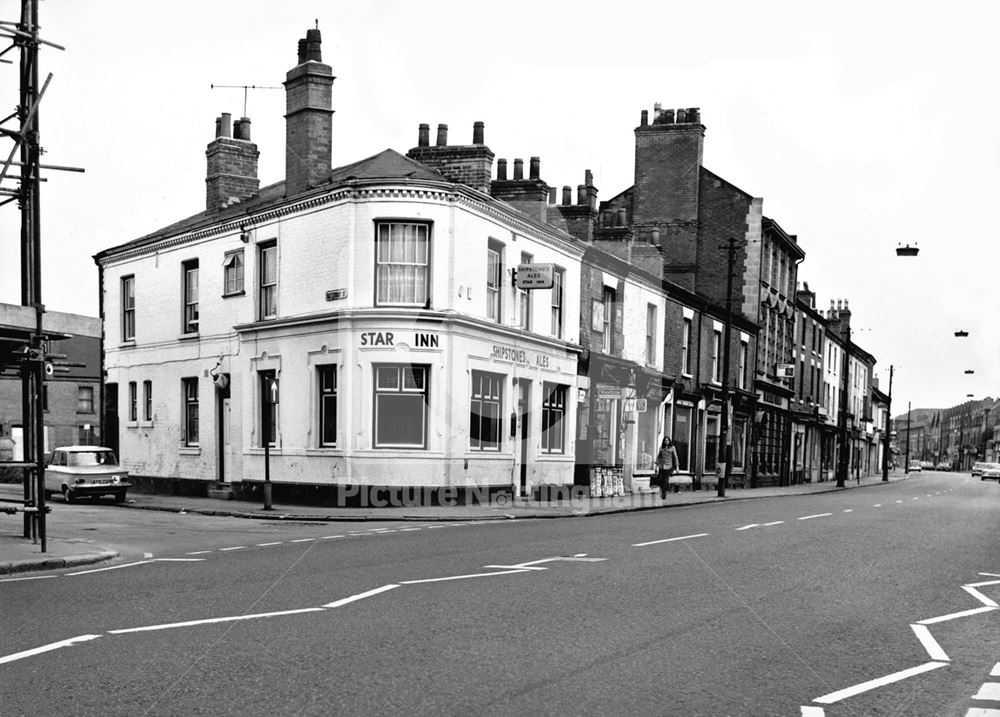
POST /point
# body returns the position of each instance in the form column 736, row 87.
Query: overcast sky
column 863, row 126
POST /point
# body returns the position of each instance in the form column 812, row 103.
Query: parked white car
column 990, row 470
column 76, row 471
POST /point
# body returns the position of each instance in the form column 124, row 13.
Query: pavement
column 20, row 554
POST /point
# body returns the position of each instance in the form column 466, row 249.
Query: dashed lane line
column 236, row 547
column 818, row 515
column 266, row 545
column 773, row 522
column 302, row 540
column 669, row 540
column 747, row 527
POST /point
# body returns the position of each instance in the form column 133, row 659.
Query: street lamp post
column 885, row 438
column 842, row 458
column 726, row 446
column 906, row 459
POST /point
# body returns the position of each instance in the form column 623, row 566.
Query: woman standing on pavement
column 666, row 465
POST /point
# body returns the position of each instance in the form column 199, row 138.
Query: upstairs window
column 189, row 280
column 524, row 298
column 232, row 273
column 494, row 270
column 608, row 299
column 650, row 334
column 686, row 346
column 402, row 263
column 268, row 265
column 716, row 355
column 741, row 370
column 557, row 302
column 128, row 308
column 85, row 399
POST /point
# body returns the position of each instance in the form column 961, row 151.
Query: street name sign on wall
column 534, row 276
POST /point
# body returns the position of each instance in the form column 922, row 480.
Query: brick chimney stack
column 232, row 164
column 530, row 195
column 308, row 118
column 469, row 164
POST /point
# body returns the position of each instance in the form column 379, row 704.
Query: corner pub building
column 374, row 301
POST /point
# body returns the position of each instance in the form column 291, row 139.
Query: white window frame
column 267, row 280
column 494, row 281
column 128, row 307
column 397, row 261
column 233, row 273
column 486, row 395
column 550, row 409
column 189, row 293
column 400, row 389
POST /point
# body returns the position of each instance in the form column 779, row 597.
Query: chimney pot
column 313, row 42
column 423, row 135
column 694, row 115
column 477, row 132
column 581, row 194
column 442, row 136
column 302, row 51
column 567, row 197
column 518, row 169
column 501, row 170
column 588, row 178
column 681, row 116
column 218, row 127
column 645, row 118
column 654, row 236
column 227, row 119
column 534, row 168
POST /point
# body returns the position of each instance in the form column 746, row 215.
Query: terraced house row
column 444, row 318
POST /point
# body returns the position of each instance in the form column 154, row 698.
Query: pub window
column 494, row 271
column 128, row 308
column 553, row 418
column 147, row 400
column 189, row 279
column 232, row 273
column 485, row 411
column 85, row 399
column 328, row 405
column 402, row 263
column 267, row 262
column 189, row 391
column 524, row 297
column 133, row 401
column 400, row 405
column 557, row 302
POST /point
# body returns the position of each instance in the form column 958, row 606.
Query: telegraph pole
column 906, row 459
column 727, row 447
column 843, row 458
column 888, row 430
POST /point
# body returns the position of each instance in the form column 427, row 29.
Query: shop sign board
column 534, row 276
column 606, row 391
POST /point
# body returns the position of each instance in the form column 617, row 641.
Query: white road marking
column 916, row 497
column 992, row 575
column 267, row 545
column 995, row 672
column 775, row 522
column 934, row 650
column 211, row 620
column 989, row 691
column 818, row 515
column 878, row 682
column 899, row 501
column 810, row 711
column 747, row 527
column 848, row 510
column 982, row 712
column 238, row 547
column 147, row 555
column 955, row 615
column 463, row 577
column 302, row 540
column 113, row 567
column 406, row 530
column 46, row 648
column 178, row 560
column 31, row 577
column 877, row 505
column 432, row 527
column 979, row 596
column 361, row 596
column 199, row 552
column 331, row 537
column 669, row 540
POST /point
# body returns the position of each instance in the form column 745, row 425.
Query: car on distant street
column 915, row 466
column 977, row 468
column 990, row 470
column 942, row 467
column 927, row 465
column 93, row 471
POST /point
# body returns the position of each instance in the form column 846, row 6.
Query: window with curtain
column 268, row 280
column 608, row 299
column 557, row 302
column 232, row 273
column 686, row 346
column 716, row 355
column 402, row 263
column 486, row 411
column 85, row 399
column 401, row 400
column 189, row 273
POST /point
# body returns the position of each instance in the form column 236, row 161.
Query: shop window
column 189, row 388
column 711, row 443
column 232, row 273
column 524, row 297
column 267, row 262
column 128, row 308
column 328, row 405
column 557, row 302
column 133, row 402
column 189, row 280
column 402, row 263
column 553, row 418
column 739, row 443
column 85, row 399
column 494, row 271
column 147, row 400
column 486, row 411
column 646, row 442
column 401, row 399
column 682, row 436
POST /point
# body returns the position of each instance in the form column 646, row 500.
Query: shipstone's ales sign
column 517, row 355
column 534, row 276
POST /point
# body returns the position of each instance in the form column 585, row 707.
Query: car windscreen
column 91, row 458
